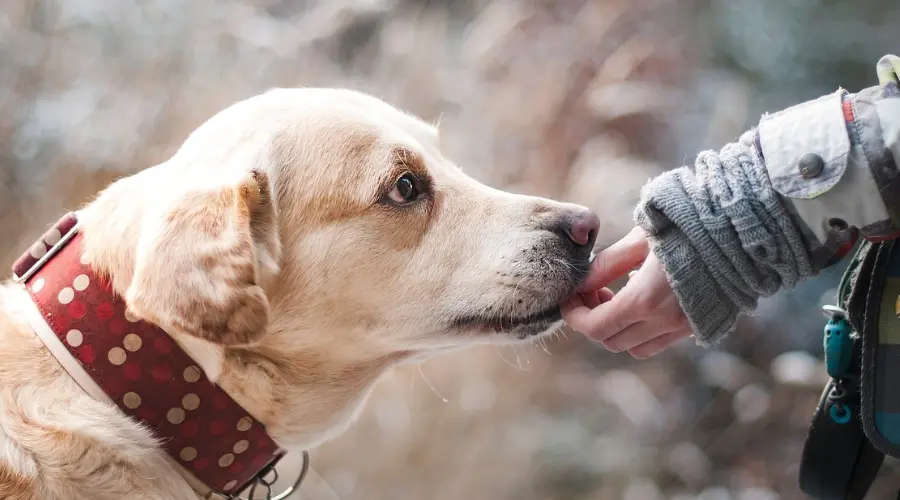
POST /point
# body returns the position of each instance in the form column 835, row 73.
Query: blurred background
column 580, row 100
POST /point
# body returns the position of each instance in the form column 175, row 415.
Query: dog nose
column 581, row 226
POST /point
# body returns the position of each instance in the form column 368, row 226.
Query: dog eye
column 405, row 190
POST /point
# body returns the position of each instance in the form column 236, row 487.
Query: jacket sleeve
column 832, row 160
column 786, row 200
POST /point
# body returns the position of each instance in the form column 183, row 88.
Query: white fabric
column 889, row 118
column 815, row 126
column 844, row 189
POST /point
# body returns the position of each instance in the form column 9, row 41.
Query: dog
column 297, row 245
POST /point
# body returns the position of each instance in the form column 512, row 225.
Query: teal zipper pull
column 838, row 342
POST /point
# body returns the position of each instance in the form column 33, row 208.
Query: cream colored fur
column 267, row 248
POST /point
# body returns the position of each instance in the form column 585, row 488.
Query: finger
column 589, row 300
column 574, row 301
column 659, row 344
column 638, row 333
column 601, row 296
column 616, row 260
column 603, row 321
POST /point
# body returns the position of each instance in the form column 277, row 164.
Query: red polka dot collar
column 138, row 367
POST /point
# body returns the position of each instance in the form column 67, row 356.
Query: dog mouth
column 532, row 310
column 522, row 326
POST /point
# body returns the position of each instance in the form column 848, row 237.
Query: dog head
column 326, row 226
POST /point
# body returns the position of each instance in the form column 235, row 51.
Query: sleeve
column 786, row 200
column 832, row 160
column 724, row 236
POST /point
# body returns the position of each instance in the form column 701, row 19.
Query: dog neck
column 287, row 381
column 304, row 395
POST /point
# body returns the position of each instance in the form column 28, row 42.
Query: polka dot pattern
column 241, row 446
column 38, row 250
column 74, row 338
column 65, row 296
column 188, row 453
column 132, row 400
column 81, row 282
column 190, row 402
column 117, row 356
column 152, row 380
column 175, row 416
column 133, row 342
column 191, row 374
column 52, row 237
column 226, row 460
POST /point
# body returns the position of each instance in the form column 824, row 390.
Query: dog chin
column 527, row 333
column 512, row 327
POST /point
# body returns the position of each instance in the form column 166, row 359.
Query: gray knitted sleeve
column 723, row 235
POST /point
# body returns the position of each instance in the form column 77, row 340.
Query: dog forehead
column 351, row 115
column 333, row 139
column 341, row 121
column 329, row 118
column 379, row 110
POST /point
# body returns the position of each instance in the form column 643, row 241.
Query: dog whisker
column 497, row 348
column 543, row 346
column 519, row 359
column 443, row 399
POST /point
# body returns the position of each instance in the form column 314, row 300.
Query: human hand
column 644, row 317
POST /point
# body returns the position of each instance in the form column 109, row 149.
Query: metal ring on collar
column 286, row 493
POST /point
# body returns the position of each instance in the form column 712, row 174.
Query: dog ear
column 201, row 266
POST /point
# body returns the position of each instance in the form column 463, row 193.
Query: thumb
column 616, row 260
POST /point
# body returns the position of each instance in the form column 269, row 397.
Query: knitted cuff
column 712, row 315
column 709, row 310
column 723, row 236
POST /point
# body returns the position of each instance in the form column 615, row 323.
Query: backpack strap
column 838, row 460
column 881, row 352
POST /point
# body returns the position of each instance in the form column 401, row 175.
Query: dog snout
column 578, row 225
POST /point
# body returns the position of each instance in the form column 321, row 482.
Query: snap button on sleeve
column 811, row 165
